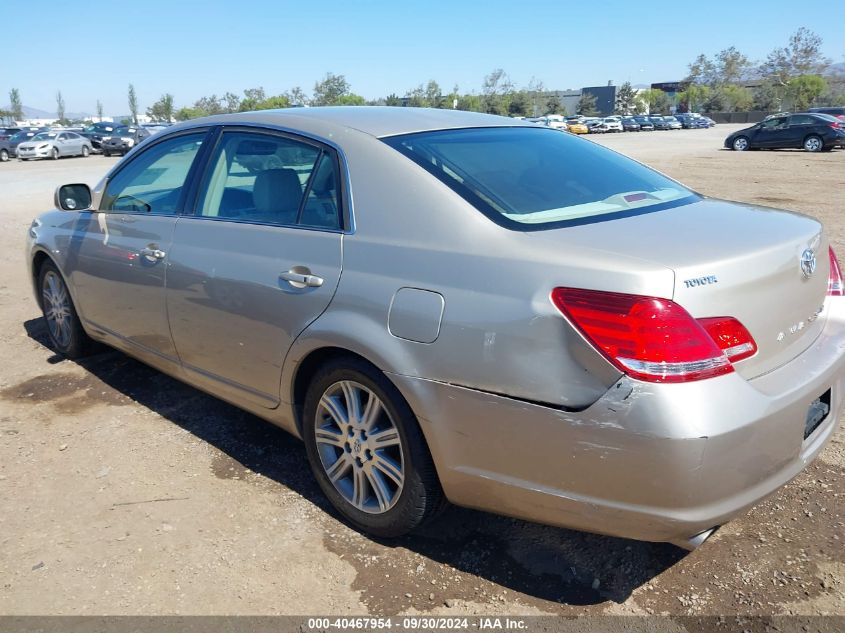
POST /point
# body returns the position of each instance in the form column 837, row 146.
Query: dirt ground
column 123, row 491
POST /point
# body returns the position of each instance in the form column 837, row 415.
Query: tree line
column 790, row 77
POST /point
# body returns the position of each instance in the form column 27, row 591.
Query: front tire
column 55, row 153
column 85, row 151
column 63, row 324
column 4, row 155
column 105, row 153
column 813, row 143
column 740, row 144
column 367, row 451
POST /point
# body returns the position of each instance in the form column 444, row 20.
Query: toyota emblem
column 808, row 262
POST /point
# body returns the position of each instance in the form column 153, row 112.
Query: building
column 605, row 97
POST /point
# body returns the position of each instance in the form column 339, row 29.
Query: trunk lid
column 731, row 259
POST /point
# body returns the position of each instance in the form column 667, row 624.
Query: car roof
column 378, row 121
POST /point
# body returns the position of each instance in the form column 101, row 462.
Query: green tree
column 587, row 105
column 553, row 104
column 695, row 96
column 804, row 90
column 186, row 113
column 15, row 104
column 433, row 94
column 350, row 100
column 162, row 110
column 768, row 96
column 133, row 104
column 470, row 103
column 802, row 56
column 209, row 105
column 626, row 100
column 392, row 100
column 520, row 104
column 252, row 97
column 273, row 103
column 297, row 96
column 330, row 90
column 99, row 110
column 231, row 102
column 497, row 89
column 656, row 100
column 60, row 106
column 737, row 98
column 7, row 116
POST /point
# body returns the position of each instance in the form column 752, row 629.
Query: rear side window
column 270, row 179
column 530, row 178
column 152, row 182
column 803, row 119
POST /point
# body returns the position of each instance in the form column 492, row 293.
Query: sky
column 192, row 49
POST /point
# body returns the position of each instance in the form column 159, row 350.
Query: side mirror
column 73, row 197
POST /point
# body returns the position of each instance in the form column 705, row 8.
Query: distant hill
column 35, row 113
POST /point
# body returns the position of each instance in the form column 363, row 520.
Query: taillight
column 731, row 337
column 655, row 339
column 835, row 285
column 835, row 125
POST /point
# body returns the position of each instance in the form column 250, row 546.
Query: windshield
column 123, row 131
column 531, row 176
column 98, row 129
column 20, row 136
column 44, row 136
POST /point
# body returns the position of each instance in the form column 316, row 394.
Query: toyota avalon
column 449, row 306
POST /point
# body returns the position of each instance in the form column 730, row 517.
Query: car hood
column 33, row 144
column 727, row 259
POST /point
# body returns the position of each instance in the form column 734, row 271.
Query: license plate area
column 817, row 413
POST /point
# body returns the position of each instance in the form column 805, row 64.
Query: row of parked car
column 25, row 143
column 617, row 123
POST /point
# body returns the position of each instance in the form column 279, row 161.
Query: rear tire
column 813, row 143
column 63, row 324
column 367, row 451
column 85, row 151
column 4, row 155
column 105, row 153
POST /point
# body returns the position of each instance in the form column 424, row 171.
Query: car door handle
column 153, row 254
column 301, row 280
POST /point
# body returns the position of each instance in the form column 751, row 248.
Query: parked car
column 9, row 147
column 630, row 124
column 96, row 131
column 54, row 145
column 7, row 132
column 595, row 126
column 839, row 113
column 545, row 328
column 674, row 124
column 577, row 127
column 810, row 131
column 613, row 124
column 645, row 123
column 555, row 121
column 659, row 123
column 691, row 121
column 710, row 122
column 122, row 140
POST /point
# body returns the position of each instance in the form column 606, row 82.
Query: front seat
column 276, row 195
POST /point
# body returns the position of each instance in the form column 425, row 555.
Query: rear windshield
column 533, row 178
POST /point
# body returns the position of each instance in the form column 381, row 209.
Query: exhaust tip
column 694, row 542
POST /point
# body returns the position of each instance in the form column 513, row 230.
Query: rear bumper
column 646, row 461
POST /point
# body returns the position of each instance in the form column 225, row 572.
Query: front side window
column 530, row 176
column 152, row 182
column 269, row 179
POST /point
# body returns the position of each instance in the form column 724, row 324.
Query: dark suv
column 122, row 140
column 97, row 131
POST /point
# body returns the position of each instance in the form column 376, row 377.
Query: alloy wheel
column 359, row 447
column 57, row 311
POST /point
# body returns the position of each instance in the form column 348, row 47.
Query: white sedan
column 612, row 124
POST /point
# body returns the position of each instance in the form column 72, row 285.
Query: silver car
column 455, row 306
column 54, row 145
